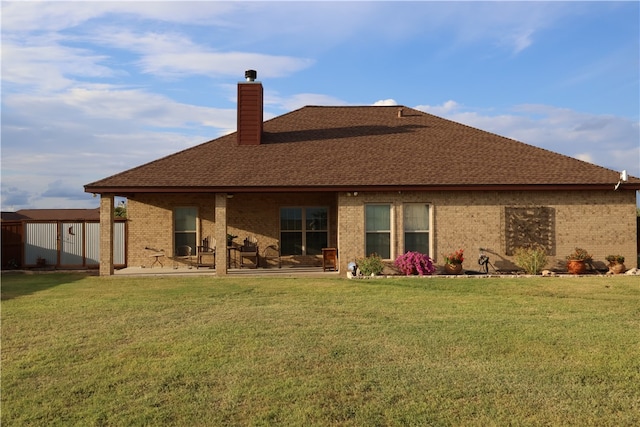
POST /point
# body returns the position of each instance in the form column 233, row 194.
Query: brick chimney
column 250, row 104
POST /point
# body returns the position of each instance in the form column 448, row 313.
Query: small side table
column 231, row 250
column 157, row 255
column 329, row 259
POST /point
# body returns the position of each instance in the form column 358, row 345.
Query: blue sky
column 90, row 89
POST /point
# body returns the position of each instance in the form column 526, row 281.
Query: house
column 56, row 238
column 368, row 179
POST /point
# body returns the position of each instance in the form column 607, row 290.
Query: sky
column 93, row 88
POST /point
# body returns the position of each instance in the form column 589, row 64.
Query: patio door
column 185, row 228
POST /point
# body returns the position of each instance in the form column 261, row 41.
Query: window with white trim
column 378, row 230
column 303, row 230
column 416, row 227
column 185, row 223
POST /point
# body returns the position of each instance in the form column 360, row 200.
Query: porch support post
column 106, row 234
column 221, row 234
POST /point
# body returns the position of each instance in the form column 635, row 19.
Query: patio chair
column 271, row 252
column 207, row 249
column 249, row 250
column 183, row 253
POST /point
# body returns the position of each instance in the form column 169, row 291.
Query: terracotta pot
column 453, row 268
column 576, row 266
column 617, row 268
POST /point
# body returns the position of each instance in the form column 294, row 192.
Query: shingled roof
column 362, row 148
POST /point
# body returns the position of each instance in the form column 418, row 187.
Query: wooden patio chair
column 207, row 249
column 249, row 250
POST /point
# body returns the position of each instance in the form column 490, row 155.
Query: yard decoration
column 616, row 264
column 577, row 261
column 453, row 262
column 415, row 263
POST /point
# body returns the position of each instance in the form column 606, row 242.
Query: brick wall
column 248, row 214
column 603, row 222
column 106, row 234
column 150, row 221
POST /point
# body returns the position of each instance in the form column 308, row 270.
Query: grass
column 83, row 350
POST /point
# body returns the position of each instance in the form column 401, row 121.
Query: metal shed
column 60, row 238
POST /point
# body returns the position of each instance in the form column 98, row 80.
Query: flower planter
column 453, row 268
column 617, row 268
column 576, row 266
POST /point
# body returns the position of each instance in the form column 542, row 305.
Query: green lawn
column 120, row 351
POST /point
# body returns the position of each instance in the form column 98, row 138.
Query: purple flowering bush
column 415, row 263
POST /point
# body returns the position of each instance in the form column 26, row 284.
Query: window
column 303, row 231
column 416, row 228
column 185, row 228
column 378, row 230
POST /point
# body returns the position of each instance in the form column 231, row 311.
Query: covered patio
column 285, row 271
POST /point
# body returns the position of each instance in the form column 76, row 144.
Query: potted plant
column 616, row 264
column 453, row 262
column 230, row 238
column 415, row 263
column 577, row 261
column 371, row 265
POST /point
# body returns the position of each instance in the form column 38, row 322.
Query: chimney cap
column 250, row 75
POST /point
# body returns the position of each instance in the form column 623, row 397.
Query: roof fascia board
column 380, row 188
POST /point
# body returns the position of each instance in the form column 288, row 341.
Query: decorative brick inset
column 530, row 226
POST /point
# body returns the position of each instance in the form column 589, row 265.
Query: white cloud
column 439, row 110
column 585, row 157
column 86, row 133
column 22, row 16
column 385, row 102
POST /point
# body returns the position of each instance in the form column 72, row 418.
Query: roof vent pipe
column 250, row 75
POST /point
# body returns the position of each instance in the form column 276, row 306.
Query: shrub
column 532, row 259
column 371, row 265
column 415, row 263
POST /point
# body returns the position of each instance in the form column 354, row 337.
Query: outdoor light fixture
column 623, row 177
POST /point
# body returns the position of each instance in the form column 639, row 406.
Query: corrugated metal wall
column 41, row 241
column 70, row 244
column 119, row 243
column 92, row 245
